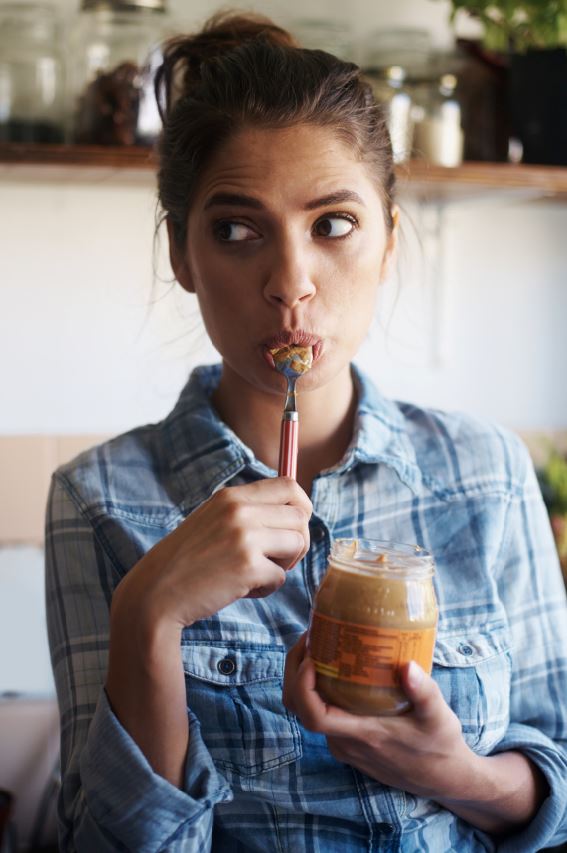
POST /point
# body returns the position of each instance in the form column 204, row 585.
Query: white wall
column 89, row 344
column 83, row 350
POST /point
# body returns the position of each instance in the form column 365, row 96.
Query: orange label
column 363, row 654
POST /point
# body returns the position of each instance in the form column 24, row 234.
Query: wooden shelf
column 77, row 163
column 427, row 181
column 416, row 179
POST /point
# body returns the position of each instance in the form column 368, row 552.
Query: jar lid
column 124, row 5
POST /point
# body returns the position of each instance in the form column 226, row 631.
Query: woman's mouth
column 291, row 339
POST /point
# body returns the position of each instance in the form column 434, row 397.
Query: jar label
column 366, row 655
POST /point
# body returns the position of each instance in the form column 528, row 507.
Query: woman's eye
column 335, row 226
column 233, row 232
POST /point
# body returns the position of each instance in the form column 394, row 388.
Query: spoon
column 292, row 362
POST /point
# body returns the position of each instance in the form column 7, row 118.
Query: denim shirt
column 255, row 779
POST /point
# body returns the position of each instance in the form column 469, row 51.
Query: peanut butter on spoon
column 295, row 358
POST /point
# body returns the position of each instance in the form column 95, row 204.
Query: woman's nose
column 289, row 283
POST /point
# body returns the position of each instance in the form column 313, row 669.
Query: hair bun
column 184, row 55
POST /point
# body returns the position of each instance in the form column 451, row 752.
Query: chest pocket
column 473, row 670
column 236, row 692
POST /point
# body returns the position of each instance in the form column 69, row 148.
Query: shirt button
column 226, row 666
column 317, row 534
column 466, row 650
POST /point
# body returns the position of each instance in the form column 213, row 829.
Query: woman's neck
column 326, row 421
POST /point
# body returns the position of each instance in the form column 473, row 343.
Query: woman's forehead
column 302, row 162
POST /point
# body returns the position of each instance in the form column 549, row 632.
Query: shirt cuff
column 135, row 805
column 549, row 826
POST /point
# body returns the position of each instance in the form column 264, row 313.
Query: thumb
column 422, row 691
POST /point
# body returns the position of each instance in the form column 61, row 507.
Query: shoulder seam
column 80, row 506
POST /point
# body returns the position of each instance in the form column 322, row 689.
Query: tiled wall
column 26, row 465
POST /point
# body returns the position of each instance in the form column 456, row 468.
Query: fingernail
column 415, row 674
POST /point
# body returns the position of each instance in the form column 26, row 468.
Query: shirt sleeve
column 110, row 799
column 532, row 588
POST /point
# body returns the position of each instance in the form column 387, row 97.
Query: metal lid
column 130, row 6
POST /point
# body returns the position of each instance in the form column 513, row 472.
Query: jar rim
column 397, row 558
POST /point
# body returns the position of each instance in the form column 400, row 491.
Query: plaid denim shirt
column 255, row 779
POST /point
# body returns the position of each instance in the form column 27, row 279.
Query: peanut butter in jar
column 374, row 611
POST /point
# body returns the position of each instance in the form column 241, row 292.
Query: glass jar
column 374, row 611
column 393, row 60
column 113, row 58
column 437, row 117
column 331, row 36
column 31, row 74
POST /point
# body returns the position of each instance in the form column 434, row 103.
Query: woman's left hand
column 422, row 752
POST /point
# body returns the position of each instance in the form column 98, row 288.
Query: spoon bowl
column 292, row 362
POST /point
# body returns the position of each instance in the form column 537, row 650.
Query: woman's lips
column 316, row 345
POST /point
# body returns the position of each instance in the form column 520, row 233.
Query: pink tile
column 26, row 464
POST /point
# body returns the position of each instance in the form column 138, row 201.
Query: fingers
column 283, row 516
column 273, row 577
column 301, row 698
column 422, row 691
column 292, row 661
column 286, row 518
column 279, row 531
column 275, row 490
column 284, row 547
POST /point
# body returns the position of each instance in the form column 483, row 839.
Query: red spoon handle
column 288, row 445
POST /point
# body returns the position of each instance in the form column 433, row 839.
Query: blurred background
column 95, row 338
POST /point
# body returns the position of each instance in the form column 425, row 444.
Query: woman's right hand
column 238, row 543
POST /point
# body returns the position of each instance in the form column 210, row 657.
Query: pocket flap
column 470, row 647
column 232, row 664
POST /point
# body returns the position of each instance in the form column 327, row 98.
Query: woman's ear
column 177, row 260
column 391, row 245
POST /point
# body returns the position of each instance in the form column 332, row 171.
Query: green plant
column 517, row 27
column 553, row 482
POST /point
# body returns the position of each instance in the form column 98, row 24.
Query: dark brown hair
column 243, row 71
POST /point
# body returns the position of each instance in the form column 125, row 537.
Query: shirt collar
column 381, row 434
column 204, row 453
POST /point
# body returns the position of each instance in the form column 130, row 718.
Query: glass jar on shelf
column 31, row 74
column 331, row 36
column 437, row 117
column 393, row 60
column 114, row 53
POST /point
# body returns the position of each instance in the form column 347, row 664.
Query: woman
column 180, row 570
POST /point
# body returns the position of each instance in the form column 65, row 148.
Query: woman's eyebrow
column 238, row 200
column 335, row 198
column 234, row 199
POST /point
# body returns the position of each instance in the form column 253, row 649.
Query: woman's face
column 286, row 243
